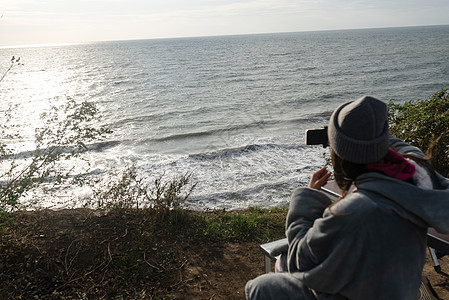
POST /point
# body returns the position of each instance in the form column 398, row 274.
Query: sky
column 28, row 22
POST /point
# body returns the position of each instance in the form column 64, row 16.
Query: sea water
column 230, row 110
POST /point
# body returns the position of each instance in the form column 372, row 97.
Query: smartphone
column 317, row 137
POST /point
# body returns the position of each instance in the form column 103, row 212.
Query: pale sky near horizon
column 27, row 22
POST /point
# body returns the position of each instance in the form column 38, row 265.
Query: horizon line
column 61, row 44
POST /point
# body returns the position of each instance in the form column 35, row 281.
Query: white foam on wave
column 260, row 177
column 256, row 175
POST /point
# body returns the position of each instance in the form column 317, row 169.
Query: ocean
column 232, row 110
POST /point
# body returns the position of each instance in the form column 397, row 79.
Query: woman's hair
column 345, row 172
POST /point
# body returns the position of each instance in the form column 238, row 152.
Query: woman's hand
column 319, row 179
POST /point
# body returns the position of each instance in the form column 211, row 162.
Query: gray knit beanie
column 358, row 131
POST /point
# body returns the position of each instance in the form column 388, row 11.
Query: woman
column 371, row 243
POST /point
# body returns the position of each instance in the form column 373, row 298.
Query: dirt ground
column 439, row 281
column 223, row 277
column 42, row 262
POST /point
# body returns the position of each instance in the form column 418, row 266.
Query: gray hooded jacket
column 369, row 245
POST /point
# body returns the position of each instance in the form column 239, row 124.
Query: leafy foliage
column 424, row 124
column 66, row 131
column 128, row 190
column 63, row 135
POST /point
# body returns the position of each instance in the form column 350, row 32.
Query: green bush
column 424, row 124
column 128, row 190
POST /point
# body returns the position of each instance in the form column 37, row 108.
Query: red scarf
column 394, row 166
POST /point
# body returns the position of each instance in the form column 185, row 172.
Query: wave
column 302, row 68
column 294, row 54
column 252, row 190
column 67, row 178
column 101, row 146
column 93, row 147
column 173, row 135
column 164, row 115
column 243, row 150
column 315, row 117
column 209, row 132
column 182, row 136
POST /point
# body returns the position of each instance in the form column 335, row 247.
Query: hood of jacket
column 423, row 207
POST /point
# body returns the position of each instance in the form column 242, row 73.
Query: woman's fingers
column 319, row 179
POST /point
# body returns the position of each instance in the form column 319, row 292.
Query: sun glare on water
column 27, row 92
